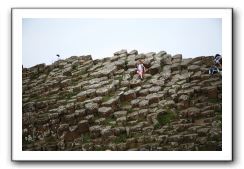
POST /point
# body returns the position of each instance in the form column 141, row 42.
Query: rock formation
column 89, row 105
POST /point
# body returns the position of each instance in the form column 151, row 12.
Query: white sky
column 42, row 39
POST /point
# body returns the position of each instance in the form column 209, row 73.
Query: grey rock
column 83, row 126
column 120, row 114
column 121, row 120
column 140, row 57
column 144, row 103
column 193, row 68
column 135, row 83
column 102, row 91
column 123, row 51
column 177, row 58
column 95, row 131
column 155, row 89
column 91, row 108
column 154, row 69
column 106, row 132
column 133, row 52
column 132, row 116
column 129, row 95
column 167, row 59
column 105, row 111
column 152, row 98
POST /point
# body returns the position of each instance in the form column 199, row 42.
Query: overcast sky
column 44, row 38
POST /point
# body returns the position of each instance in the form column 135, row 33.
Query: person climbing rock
column 140, row 69
column 213, row 70
column 218, row 60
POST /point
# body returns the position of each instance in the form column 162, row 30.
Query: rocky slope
column 84, row 104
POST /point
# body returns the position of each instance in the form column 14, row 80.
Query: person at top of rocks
column 140, row 70
column 213, row 70
column 218, row 60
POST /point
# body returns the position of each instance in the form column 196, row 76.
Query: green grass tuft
column 166, row 118
column 120, row 139
column 86, row 138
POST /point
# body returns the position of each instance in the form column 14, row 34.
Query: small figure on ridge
column 218, row 60
column 140, row 70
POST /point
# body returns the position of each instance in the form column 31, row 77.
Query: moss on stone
column 166, row 117
column 120, row 139
column 86, row 138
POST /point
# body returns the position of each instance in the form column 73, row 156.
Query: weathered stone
column 140, row 57
column 83, row 126
column 143, row 92
column 70, row 119
column 102, row 91
column 184, row 100
column 121, row 146
column 212, row 91
column 138, row 127
column 166, row 104
column 106, row 132
column 203, row 132
column 131, row 64
column 105, row 111
column 193, row 68
column 122, row 51
column 142, row 113
column 81, row 96
column 100, row 121
column 177, row 58
column 95, row 131
column 189, row 138
column 155, row 89
column 196, row 59
column 175, row 138
column 144, row 104
column 97, row 80
column 121, row 120
column 62, row 128
column 113, row 103
column 29, row 107
column 133, row 52
column 135, row 83
column 207, row 113
column 191, row 112
column 67, row 71
column 154, row 69
column 109, row 70
column 147, row 63
column 86, row 57
column 65, row 83
column 132, row 116
column 91, row 108
column 91, row 93
column 89, row 118
column 129, row 95
column 135, row 102
column 152, row 98
column 120, row 64
column 120, row 114
column 167, row 59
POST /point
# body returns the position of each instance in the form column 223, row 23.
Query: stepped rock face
column 89, row 105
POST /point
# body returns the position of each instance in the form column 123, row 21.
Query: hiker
column 213, row 70
column 140, row 70
column 218, row 60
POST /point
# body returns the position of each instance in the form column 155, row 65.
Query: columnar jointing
column 85, row 104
